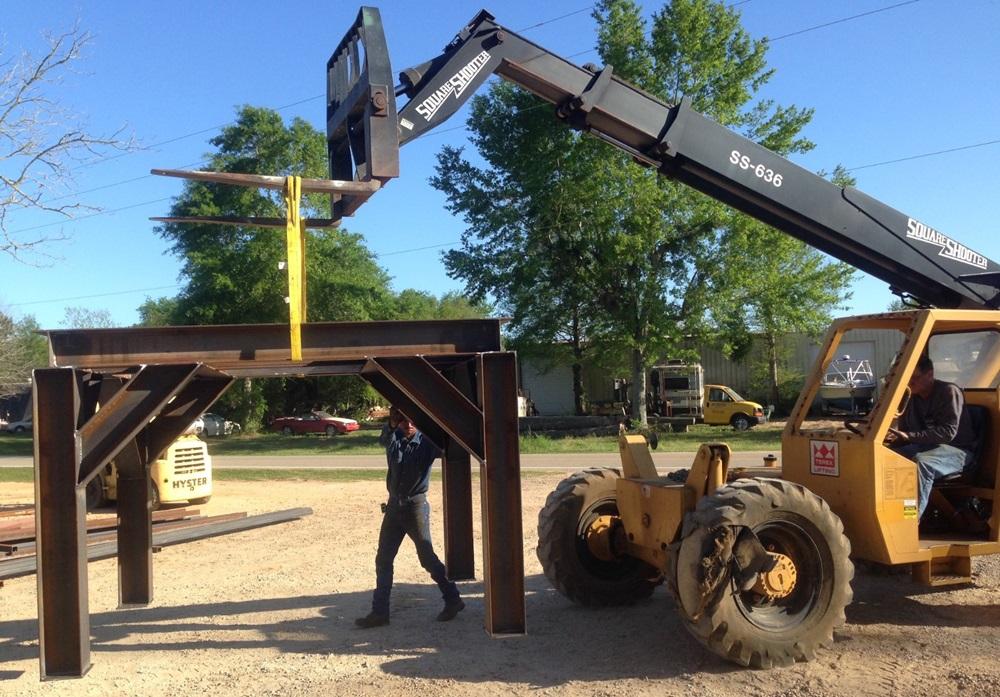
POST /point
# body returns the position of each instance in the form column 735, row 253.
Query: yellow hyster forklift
column 760, row 565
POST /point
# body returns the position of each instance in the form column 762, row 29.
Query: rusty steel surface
column 500, row 477
column 456, row 485
column 267, row 181
column 60, row 529
column 259, row 349
column 418, row 380
column 128, row 393
column 191, row 401
column 122, row 417
column 135, row 529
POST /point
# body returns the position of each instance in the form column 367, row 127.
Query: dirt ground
column 270, row 612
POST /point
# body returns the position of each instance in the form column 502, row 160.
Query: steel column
column 500, row 476
column 459, row 543
column 135, row 528
column 60, row 519
column 456, row 476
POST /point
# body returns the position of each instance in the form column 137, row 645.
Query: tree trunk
column 772, row 364
column 579, row 396
column 639, row 388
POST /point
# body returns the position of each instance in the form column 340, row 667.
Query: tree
column 21, row 350
column 84, row 318
column 40, row 142
column 585, row 249
column 769, row 284
column 231, row 274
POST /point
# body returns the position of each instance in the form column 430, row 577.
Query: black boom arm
column 915, row 259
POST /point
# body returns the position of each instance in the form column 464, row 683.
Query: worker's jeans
column 401, row 520
column 933, row 463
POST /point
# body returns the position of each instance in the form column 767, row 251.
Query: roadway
column 569, row 462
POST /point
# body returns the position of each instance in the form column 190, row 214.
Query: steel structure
column 126, row 394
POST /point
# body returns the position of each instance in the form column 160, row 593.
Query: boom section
column 913, row 258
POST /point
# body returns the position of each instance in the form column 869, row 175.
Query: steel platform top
column 261, row 350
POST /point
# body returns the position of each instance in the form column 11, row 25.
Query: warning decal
column 824, row 458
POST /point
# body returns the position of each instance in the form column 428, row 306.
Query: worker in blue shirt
column 407, row 513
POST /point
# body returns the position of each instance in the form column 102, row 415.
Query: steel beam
column 121, row 418
column 135, row 528
column 423, row 421
column 61, row 533
column 193, row 399
column 500, row 477
column 258, row 347
column 451, row 409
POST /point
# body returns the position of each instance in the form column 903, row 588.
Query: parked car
column 20, row 426
column 314, row 422
column 218, row 426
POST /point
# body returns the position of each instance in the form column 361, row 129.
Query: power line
column 840, row 21
column 94, row 295
column 923, row 155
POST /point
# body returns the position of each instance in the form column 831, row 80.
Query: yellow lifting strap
column 295, row 237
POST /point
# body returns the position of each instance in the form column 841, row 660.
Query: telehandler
column 760, row 566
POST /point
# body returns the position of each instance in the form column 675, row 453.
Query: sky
column 905, row 94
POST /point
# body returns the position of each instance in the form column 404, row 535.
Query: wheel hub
column 599, row 536
column 780, row 581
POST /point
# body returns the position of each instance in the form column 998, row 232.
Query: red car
column 316, row 422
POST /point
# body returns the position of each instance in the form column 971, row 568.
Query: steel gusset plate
column 127, row 413
column 438, row 397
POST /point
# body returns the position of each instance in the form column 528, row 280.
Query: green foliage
column 21, row 350
column 232, row 273
column 85, row 318
column 591, row 255
column 157, row 313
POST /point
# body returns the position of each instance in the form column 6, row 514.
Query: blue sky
column 915, row 79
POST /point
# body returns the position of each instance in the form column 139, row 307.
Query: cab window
column 717, row 395
column 968, row 359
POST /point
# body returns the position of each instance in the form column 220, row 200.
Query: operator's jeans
column 933, row 463
column 401, row 520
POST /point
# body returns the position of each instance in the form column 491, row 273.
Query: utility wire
column 840, row 21
column 94, row 295
column 923, row 155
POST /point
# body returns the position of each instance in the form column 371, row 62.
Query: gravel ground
column 270, row 612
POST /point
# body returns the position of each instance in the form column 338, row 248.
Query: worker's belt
column 407, row 500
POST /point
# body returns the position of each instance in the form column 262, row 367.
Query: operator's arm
column 940, row 422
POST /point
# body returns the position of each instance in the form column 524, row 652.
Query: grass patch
column 17, row 474
column 754, row 439
column 17, row 444
column 27, row 475
column 365, row 442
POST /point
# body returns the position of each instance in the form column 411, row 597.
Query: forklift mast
column 365, row 130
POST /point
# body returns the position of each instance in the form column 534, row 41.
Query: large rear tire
column 745, row 626
column 567, row 560
column 95, row 494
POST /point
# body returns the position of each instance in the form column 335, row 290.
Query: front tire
column 331, row 431
column 287, row 430
column 740, row 422
column 742, row 625
column 567, row 560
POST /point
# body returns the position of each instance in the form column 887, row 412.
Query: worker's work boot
column 372, row 619
column 451, row 608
